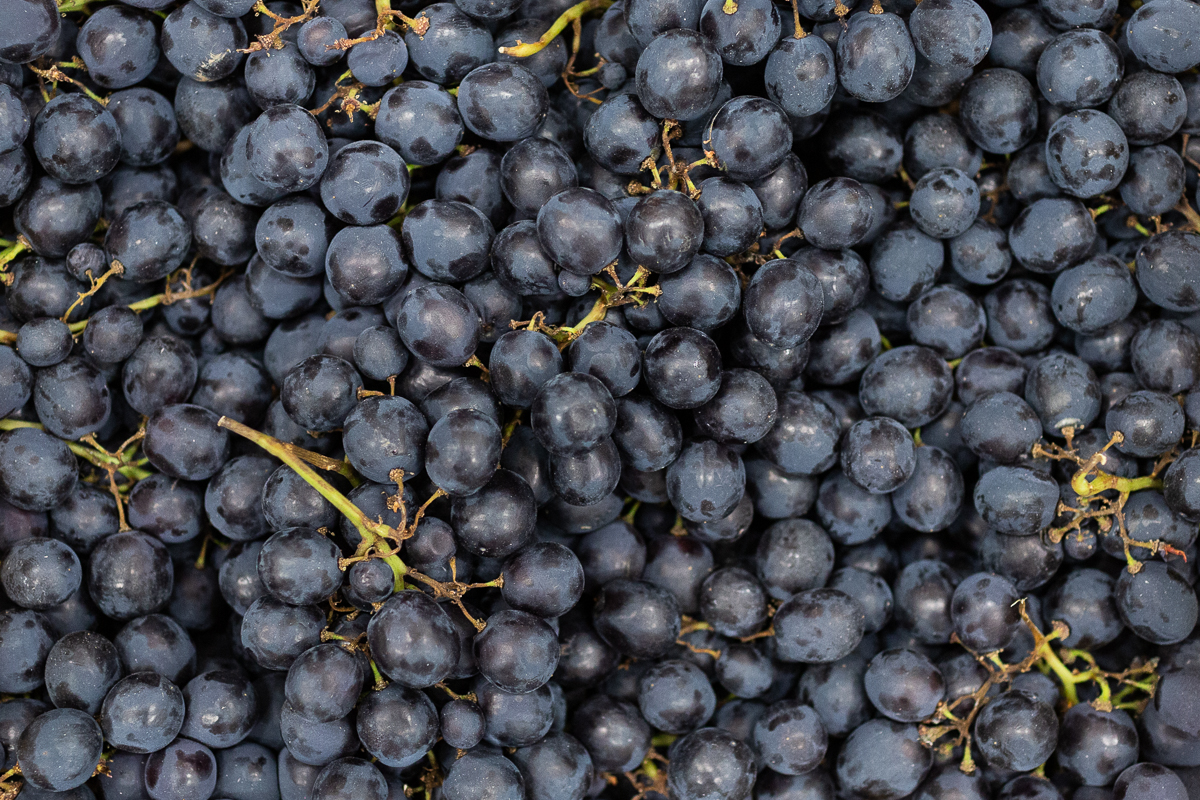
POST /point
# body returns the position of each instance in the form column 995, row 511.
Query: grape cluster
column 622, row 399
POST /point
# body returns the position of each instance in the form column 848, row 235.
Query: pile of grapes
column 629, row 399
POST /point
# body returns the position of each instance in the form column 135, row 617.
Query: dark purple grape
column 875, row 57
column 59, row 749
column 143, row 713
column 884, row 758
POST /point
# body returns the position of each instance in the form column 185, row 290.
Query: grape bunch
column 621, row 399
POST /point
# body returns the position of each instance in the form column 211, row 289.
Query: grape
column 40, row 573
column 1156, row 586
column 1062, row 390
column 349, row 778
column 1000, row 426
column 477, row 771
column 678, row 74
column 923, row 591
column 409, row 618
column 728, row 770
column 221, row 708
column 613, row 551
column 904, row 685
column 365, row 183
column 119, row 46
column 517, row 652
column 397, row 725
column 609, row 354
column 637, row 618
column 1150, row 780
column 804, row 438
column 932, row 497
column 1081, row 172
column 1079, row 68
column 951, row 32
column 54, row 216
column 1027, row 561
column 59, row 749
column 706, row 481
column 149, row 238
column 544, row 579
column 378, row 61
column 818, row 626
column 663, row 231
column 621, row 134
column 184, row 769
column 999, row 112
column 202, row 45
column 784, row 301
column 39, row 33
column 285, row 149
column 453, row 45
column 1170, row 366
column 75, row 139
column 790, row 737
column 502, row 102
column 875, row 57
column 1094, row 747
column 682, row 367
column 944, row 202
column 581, row 230
column 750, row 136
column 883, row 757
column 556, row 767
column 1153, row 36
column 877, row 455
column 984, row 612
column 142, row 713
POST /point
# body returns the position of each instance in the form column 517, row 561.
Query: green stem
column 86, row 453
column 398, row 569
column 375, row 535
column 1105, row 698
column 12, row 251
column 526, row 49
column 379, row 680
column 1067, row 678
column 1103, row 481
column 145, row 305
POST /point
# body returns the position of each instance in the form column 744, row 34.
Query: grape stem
column 799, row 32
column 1190, row 214
column 55, row 75
column 273, row 40
column 166, row 298
column 379, row 540
column 383, row 17
column 577, row 11
column 611, row 295
column 956, row 717
column 116, row 268
column 103, row 460
column 12, row 251
column 454, row 591
column 1089, row 482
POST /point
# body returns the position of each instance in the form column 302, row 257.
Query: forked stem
column 377, row 537
column 526, row 49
